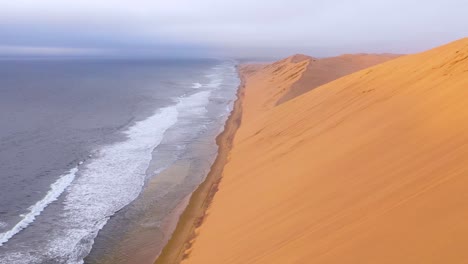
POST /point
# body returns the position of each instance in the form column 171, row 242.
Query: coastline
column 193, row 215
column 139, row 232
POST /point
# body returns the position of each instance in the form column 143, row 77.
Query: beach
column 201, row 198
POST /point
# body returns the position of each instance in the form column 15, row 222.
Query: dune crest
column 322, row 71
column 369, row 168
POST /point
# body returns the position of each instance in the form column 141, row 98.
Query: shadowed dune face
column 370, row 168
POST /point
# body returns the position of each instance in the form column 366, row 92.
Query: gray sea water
column 81, row 141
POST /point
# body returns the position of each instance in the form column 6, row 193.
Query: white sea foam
column 107, row 184
column 56, row 189
column 114, row 179
column 197, row 85
column 194, row 104
column 215, row 80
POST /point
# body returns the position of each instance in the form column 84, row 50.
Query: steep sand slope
column 371, row 168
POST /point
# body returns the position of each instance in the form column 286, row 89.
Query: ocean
column 97, row 156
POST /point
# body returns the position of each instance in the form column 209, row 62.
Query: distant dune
column 322, row 71
column 369, row 168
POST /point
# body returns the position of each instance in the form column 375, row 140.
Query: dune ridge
column 322, row 71
column 369, row 168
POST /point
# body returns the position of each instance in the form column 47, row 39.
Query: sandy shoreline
column 180, row 243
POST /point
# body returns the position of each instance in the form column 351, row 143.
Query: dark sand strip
column 194, row 214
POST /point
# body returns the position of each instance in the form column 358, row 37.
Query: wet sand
column 195, row 212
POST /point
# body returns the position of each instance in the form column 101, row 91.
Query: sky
column 217, row 28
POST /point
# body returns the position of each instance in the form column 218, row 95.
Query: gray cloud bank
column 227, row 28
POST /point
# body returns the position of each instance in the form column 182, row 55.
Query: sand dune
column 370, row 168
column 322, row 71
column 286, row 79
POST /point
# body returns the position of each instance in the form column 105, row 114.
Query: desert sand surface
column 369, row 168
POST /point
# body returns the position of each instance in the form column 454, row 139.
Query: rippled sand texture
column 369, row 168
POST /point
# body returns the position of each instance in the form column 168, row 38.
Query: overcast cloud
column 228, row 28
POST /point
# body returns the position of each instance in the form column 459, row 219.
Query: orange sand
column 370, row 168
